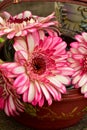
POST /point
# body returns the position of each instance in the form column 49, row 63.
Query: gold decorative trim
column 52, row 115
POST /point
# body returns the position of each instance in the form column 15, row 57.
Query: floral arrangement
column 41, row 68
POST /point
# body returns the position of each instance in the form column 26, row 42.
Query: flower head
column 23, row 23
column 78, row 61
column 40, row 69
column 9, row 99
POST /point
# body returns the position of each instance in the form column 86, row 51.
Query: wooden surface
column 9, row 123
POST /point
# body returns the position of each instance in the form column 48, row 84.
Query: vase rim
column 73, row 94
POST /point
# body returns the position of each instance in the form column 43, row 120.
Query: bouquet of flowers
column 37, row 67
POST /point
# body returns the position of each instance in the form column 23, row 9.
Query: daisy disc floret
column 78, row 61
column 23, row 23
column 40, row 68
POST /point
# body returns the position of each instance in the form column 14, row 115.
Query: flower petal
column 20, row 44
column 30, row 42
column 63, row 79
column 46, row 94
column 31, row 92
column 6, row 109
column 84, row 89
column 22, row 89
column 83, row 80
column 21, row 80
column 21, row 56
column 18, row 70
column 84, row 34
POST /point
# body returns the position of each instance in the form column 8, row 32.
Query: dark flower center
column 85, row 63
column 17, row 20
column 39, row 65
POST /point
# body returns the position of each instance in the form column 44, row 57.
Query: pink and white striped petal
column 22, row 89
column 21, row 56
column 84, row 34
column 83, row 80
column 30, row 43
column 21, row 80
column 20, row 44
column 18, row 70
column 63, row 79
column 31, row 92
column 84, row 89
column 46, row 94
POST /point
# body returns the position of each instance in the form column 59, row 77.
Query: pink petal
column 11, row 103
column 27, row 14
column 20, row 44
column 63, row 79
column 61, row 47
column 19, row 33
column 11, row 35
column 61, row 89
column 25, row 96
column 84, row 34
column 47, row 43
column 59, row 96
column 74, row 44
column 38, row 89
column 6, row 109
column 52, row 91
column 21, row 80
column 36, row 37
column 6, row 15
column 74, row 65
column 41, row 34
column 83, row 80
column 18, row 70
column 8, row 30
column 41, row 102
column 74, row 50
column 1, row 21
column 24, row 32
column 11, row 106
column 22, row 89
column 48, row 17
column 31, row 92
column 66, row 71
column 76, row 79
column 84, row 89
column 19, row 16
column 30, row 42
column 83, row 50
column 46, row 94
column 78, row 56
column 85, row 95
column 20, row 56
column 79, row 38
column 54, row 81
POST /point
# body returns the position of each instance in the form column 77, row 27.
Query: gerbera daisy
column 78, row 61
column 40, row 68
column 9, row 99
column 23, row 23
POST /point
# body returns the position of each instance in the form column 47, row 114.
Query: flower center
column 85, row 63
column 39, row 65
column 17, row 20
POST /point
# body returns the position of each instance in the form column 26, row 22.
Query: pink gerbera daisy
column 9, row 99
column 40, row 69
column 23, row 23
column 78, row 61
